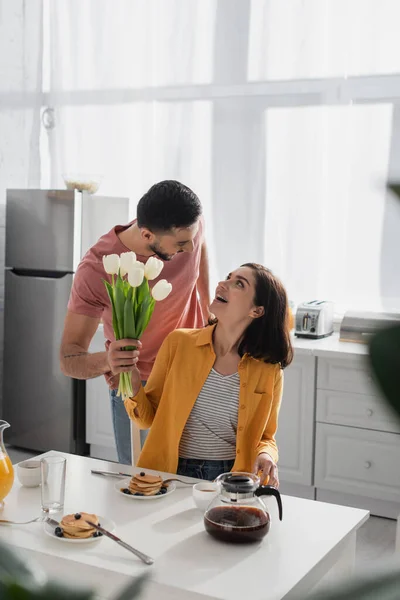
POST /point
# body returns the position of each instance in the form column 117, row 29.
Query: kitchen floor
column 375, row 539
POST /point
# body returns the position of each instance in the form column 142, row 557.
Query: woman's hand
column 266, row 468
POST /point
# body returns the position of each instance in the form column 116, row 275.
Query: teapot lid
column 239, row 483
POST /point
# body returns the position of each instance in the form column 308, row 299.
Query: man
column 168, row 225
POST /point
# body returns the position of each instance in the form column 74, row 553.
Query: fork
column 179, row 480
column 36, row 520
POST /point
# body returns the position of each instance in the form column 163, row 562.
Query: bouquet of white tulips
column 132, row 300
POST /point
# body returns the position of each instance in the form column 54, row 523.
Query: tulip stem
column 125, row 386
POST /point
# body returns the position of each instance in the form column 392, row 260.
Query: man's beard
column 156, row 248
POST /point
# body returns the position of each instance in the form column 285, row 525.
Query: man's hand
column 120, row 360
column 123, row 361
column 266, row 468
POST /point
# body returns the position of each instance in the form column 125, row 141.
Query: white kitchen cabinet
column 349, row 374
column 358, row 461
column 357, row 451
column 295, row 436
column 355, row 410
column 99, row 428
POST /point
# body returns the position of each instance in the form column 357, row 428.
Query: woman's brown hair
column 267, row 338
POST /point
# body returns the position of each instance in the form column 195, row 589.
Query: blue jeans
column 203, row 469
column 122, row 429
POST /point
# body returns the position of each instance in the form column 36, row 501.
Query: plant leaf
column 110, row 293
column 394, row 187
column 119, row 299
column 149, row 314
column 143, row 313
column 142, row 292
column 132, row 590
column 384, row 353
column 129, row 317
column 14, row 567
column 375, row 586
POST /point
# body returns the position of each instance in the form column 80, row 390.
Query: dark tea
column 239, row 524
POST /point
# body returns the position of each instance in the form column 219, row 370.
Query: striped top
column 210, row 431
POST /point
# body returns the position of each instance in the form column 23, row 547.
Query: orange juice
column 6, row 476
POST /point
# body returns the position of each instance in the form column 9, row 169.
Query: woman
column 213, row 396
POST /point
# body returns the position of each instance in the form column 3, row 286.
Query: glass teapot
column 6, row 468
column 237, row 514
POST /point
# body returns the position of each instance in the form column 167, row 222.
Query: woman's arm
column 267, row 443
column 143, row 406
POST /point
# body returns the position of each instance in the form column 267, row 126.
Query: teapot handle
column 269, row 490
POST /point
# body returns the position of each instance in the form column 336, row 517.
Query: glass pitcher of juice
column 6, row 468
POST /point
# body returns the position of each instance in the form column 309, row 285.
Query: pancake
column 145, row 485
column 72, row 527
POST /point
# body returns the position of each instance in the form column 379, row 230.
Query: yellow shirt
column 180, row 370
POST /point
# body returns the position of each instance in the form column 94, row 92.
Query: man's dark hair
column 166, row 205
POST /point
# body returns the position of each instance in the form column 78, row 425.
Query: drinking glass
column 53, row 470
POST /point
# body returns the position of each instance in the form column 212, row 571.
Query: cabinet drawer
column 345, row 375
column 358, row 461
column 357, row 410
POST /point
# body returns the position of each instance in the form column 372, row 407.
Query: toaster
column 314, row 319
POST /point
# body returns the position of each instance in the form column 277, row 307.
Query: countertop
column 329, row 346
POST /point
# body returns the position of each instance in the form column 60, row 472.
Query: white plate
column 125, row 483
column 106, row 523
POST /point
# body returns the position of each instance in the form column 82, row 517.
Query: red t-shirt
column 180, row 309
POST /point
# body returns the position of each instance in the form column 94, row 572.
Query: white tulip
column 161, row 290
column 127, row 259
column 153, row 267
column 111, row 264
column 138, row 265
column 135, row 275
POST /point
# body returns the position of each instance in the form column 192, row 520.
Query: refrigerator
column 47, row 233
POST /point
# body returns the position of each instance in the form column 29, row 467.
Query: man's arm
column 203, row 282
column 75, row 360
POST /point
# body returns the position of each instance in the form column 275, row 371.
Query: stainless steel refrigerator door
column 40, row 229
column 38, row 400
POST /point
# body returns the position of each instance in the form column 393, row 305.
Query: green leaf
column 375, row 586
column 394, row 187
column 129, row 318
column 384, row 353
column 110, row 293
column 149, row 313
column 127, row 287
column 141, row 319
column 132, row 590
column 142, row 292
column 119, row 299
column 13, row 566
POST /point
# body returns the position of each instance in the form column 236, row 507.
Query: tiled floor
column 375, row 539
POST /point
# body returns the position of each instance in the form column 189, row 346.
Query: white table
column 297, row 553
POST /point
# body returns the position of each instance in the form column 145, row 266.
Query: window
column 282, row 116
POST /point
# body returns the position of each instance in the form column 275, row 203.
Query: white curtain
column 20, row 94
column 163, row 89
column 20, row 105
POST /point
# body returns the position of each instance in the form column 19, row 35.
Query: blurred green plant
column 20, row 580
column 384, row 358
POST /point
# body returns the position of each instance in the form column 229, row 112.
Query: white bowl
column 204, row 493
column 28, row 473
column 82, row 183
